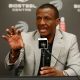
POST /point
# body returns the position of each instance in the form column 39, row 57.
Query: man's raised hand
column 14, row 38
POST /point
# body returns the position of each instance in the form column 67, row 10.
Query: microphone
column 43, row 44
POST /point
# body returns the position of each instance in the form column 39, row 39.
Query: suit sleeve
column 18, row 62
column 73, row 61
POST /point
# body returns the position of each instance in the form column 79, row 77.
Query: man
column 64, row 57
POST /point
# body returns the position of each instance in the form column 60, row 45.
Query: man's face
column 46, row 22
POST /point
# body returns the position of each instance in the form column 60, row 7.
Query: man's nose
column 42, row 21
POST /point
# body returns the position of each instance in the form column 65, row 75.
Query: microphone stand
column 43, row 57
column 43, row 54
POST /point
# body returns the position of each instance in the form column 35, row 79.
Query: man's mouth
column 43, row 30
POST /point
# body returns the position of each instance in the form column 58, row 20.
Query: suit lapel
column 57, row 46
column 37, row 53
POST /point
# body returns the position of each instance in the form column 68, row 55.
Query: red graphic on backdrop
column 62, row 24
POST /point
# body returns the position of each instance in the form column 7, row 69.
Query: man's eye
column 38, row 18
column 47, row 18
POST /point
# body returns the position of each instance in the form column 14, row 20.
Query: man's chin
column 43, row 35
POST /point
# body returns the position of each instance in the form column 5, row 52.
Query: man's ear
column 58, row 21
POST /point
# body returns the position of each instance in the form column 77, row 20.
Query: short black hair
column 51, row 6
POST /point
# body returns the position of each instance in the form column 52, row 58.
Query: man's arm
column 73, row 61
column 14, row 62
column 14, row 39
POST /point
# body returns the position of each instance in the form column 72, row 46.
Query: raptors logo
column 57, row 3
column 22, row 26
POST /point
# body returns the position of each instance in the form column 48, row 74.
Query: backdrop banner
column 21, row 13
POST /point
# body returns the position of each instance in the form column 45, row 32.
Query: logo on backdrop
column 22, row 6
column 22, row 1
column 22, row 26
column 77, row 7
column 57, row 3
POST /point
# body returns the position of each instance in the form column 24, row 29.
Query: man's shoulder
column 68, row 35
column 31, row 33
column 29, row 36
column 69, row 38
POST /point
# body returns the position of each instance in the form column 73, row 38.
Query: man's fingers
column 47, row 71
column 13, row 29
column 18, row 32
column 48, row 74
column 46, row 67
column 5, row 37
column 8, row 31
